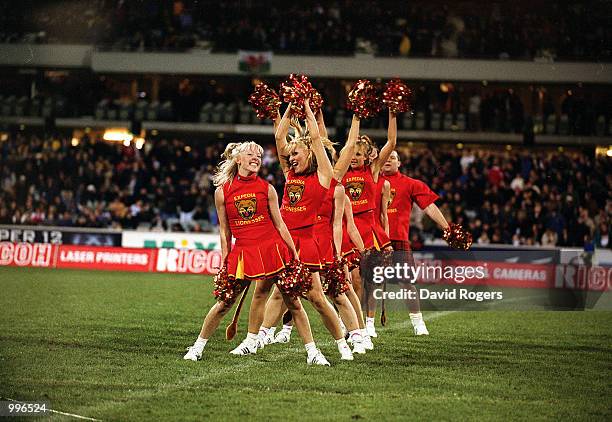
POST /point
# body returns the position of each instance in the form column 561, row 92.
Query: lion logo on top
column 391, row 197
column 294, row 193
column 246, row 208
column 354, row 190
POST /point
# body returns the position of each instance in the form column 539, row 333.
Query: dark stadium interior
column 473, row 29
column 566, row 109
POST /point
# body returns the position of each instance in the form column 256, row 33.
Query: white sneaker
column 267, row 340
column 345, row 352
column 283, row 336
column 420, row 329
column 317, row 359
column 193, row 354
column 371, row 329
column 359, row 347
column 245, row 348
column 367, row 343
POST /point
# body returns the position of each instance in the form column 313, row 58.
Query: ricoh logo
column 193, row 261
column 25, row 254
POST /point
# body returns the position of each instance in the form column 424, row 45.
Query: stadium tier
column 474, row 29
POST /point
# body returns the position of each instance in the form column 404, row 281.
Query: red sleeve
column 422, row 195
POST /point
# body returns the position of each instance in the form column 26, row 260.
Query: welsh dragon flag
column 254, row 61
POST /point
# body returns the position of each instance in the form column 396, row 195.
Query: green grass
column 110, row 345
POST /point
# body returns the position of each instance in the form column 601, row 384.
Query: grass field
column 109, row 346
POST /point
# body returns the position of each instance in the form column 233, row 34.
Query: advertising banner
column 60, row 235
column 204, row 241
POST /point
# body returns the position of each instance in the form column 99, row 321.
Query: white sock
column 369, row 321
column 287, row 328
column 311, row 348
column 252, row 338
column 355, row 335
column 341, row 343
column 263, row 331
column 271, row 331
column 200, row 343
column 416, row 317
column 364, row 333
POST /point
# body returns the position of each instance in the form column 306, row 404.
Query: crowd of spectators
column 474, row 29
column 531, row 197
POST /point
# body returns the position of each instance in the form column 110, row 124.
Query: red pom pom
column 363, row 99
column 457, row 237
column 335, row 282
column 295, row 90
column 227, row 288
column 354, row 259
column 265, row 101
column 397, row 97
column 295, row 279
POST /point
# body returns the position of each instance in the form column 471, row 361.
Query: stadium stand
column 505, row 196
column 474, row 29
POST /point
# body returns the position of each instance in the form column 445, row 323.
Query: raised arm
column 386, row 196
column 278, row 222
column 386, row 150
column 435, row 214
column 225, row 233
column 324, row 168
column 280, row 135
column 346, row 154
column 339, row 198
column 351, row 228
column 321, row 124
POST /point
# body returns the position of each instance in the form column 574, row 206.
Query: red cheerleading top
column 302, row 199
column 246, row 205
column 360, row 187
column 404, row 191
column 378, row 191
column 326, row 212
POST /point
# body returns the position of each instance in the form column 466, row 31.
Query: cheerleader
column 328, row 231
column 309, row 173
column 404, row 192
column 247, row 207
column 382, row 195
column 360, row 185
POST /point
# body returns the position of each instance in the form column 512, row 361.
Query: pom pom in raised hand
column 295, row 90
column 295, row 279
column 397, row 97
column 457, row 237
column 265, row 101
column 363, row 99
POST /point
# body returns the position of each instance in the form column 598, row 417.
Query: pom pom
column 227, row 288
column 295, row 90
column 397, row 97
column 387, row 257
column 457, row 237
column 353, row 259
column 295, row 279
column 363, row 99
column 335, row 282
column 265, row 101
